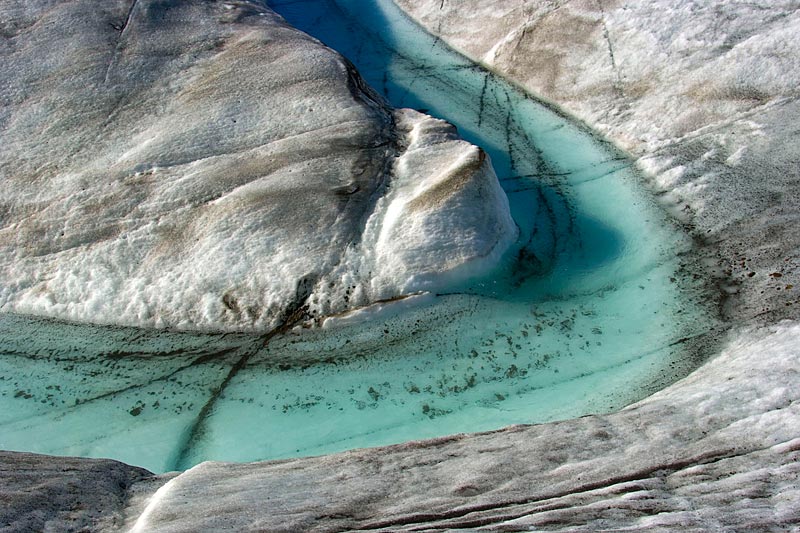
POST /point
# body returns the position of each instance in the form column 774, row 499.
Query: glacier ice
column 210, row 178
column 429, row 328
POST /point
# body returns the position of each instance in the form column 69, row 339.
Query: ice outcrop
column 442, row 218
column 202, row 165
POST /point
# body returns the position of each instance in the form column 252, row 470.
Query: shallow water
column 588, row 313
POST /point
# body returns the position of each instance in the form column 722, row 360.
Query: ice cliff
column 202, row 165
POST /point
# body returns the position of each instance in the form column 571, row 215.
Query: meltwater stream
column 589, row 312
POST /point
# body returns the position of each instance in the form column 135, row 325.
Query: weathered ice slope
column 42, row 493
column 203, row 165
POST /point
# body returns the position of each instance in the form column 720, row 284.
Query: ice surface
column 590, row 309
column 211, row 175
column 718, row 450
column 693, row 457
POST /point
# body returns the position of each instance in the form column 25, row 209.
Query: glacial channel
column 595, row 306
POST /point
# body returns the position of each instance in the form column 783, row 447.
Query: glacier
column 440, row 314
column 715, row 450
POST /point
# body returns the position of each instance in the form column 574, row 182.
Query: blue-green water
column 588, row 313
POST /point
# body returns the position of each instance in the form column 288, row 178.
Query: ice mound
column 442, row 218
column 206, row 166
column 454, row 220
